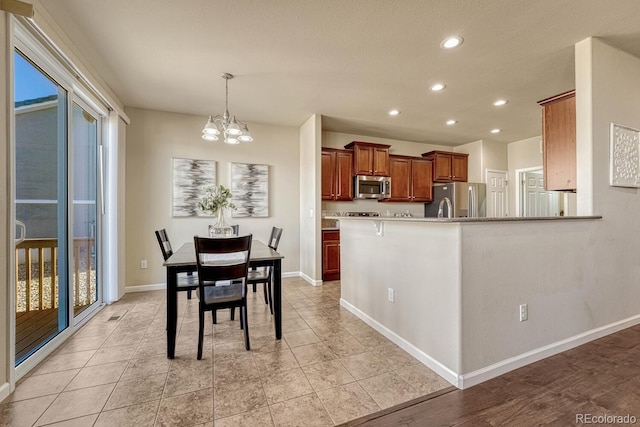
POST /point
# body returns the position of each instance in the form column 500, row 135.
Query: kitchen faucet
column 440, row 212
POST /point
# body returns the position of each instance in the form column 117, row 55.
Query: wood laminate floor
column 598, row 379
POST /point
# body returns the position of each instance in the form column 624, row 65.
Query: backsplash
column 385, row 209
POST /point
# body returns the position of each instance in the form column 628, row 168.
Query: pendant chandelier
column 234, row 131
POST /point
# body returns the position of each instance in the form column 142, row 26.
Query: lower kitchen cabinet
column 330, row 254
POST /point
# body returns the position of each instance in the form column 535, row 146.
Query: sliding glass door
column 40, row 207
column 57, row 204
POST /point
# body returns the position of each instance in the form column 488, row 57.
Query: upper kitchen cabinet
column 559, row 141
column 369, row 159
column 448, row 166
column 411, row 179
column 337, row 172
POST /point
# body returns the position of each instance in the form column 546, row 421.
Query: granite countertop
column 466, row 220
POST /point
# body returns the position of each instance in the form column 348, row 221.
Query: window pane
column 41, row 194
column 85, row 172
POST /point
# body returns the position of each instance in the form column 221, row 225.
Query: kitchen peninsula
column 449, row 291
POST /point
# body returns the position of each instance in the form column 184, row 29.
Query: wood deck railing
column 37, row 275
column 37, row 289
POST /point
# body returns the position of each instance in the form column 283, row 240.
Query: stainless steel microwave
column 372, row 187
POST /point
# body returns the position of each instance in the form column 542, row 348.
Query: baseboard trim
column 144, row 288
column 507, row 365
column 162, row 286
column 5, row 391
column 463, row 381
column 423, row 357
column 311, row 281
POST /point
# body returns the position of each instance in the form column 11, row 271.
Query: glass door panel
column 85, row 189
column 40, row 207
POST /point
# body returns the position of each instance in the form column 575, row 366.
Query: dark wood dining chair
column 263, row 274
column 222, row 260
column 185, row 281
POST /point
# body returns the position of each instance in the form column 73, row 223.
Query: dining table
column 184, row 261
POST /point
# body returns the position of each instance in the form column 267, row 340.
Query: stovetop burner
column 363, row 213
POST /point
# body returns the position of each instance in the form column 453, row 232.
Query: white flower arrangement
column 216, row 198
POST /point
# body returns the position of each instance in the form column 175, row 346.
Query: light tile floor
column 329, row 368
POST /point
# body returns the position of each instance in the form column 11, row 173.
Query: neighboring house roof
column 36, row 101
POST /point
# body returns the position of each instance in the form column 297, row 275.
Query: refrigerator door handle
column 472, row 204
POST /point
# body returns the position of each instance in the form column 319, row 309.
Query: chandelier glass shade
column 232, row 130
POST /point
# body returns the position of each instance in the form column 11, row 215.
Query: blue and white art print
column 190, row 179
column 250, row 190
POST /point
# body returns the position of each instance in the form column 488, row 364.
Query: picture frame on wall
column 624, row 157
column 190, row 179
column 250, row 190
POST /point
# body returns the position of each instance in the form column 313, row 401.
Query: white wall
column 494, row 156
column 420, row 261
column 403, row 148
column 310, row 206
column 154, row 138
column 483, row 155
column 548, row 265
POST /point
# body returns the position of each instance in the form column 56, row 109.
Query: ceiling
column 351, row 61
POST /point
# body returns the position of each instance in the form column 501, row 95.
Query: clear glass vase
column 221, row 228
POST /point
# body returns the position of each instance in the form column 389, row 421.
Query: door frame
column 90, row 105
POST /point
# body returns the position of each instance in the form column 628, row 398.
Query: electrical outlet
column 524, row 312
column 143, row 264
column 391, row 295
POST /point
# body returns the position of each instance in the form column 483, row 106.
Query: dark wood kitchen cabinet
column 369, row 159
column 411, row 179
column 330, row 255
column 559, row 141
column 337, row 174
column 449, row 166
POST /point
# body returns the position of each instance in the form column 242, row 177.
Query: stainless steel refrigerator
column 467, row 200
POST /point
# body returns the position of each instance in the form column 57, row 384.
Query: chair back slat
column 274, row 239
column 222, row 258
column 165, row 245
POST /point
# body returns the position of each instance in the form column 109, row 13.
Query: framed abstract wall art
column 624, row 157
column 250, row 190
column 190, row 178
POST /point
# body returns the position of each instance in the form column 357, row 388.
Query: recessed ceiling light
column 437, row 87
column 496, row 130
column 451, row 122
column 500, row 102
column 394, row 112
column 451, row 42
